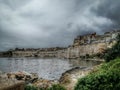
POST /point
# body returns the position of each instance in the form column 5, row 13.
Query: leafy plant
column 53, row 87
column 106, row 78
column 57, row 87
column 30, row 87
column 113, row 52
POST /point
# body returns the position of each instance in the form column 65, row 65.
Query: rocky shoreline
column 24, row 77
column 68, row 78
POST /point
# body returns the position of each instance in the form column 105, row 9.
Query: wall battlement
column 94, row 38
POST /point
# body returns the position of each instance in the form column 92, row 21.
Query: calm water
column 45, row 68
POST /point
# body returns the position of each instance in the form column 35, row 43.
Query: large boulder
column 22, row 75
column 10, row 83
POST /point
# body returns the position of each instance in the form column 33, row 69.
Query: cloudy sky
column 50, row 23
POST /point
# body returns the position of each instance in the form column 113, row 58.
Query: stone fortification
column 41, row 52
column 89, row 44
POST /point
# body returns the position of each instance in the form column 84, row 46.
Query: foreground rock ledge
column 17, row 81
column 70, row 77
column 9, row 84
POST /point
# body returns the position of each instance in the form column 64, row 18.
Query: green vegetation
column 113, row 52
column 30, row 87
column 107, row 77
column 57, row 87
column 54, row 87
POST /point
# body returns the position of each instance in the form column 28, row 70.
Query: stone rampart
column 83, row 45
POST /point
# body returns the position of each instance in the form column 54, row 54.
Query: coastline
column 83, row 46
column 68, row 79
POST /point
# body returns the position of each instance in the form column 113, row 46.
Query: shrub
column 54, row 87
column 113, row 52
column 57, row 87
column 30, row 87
column 106, row 78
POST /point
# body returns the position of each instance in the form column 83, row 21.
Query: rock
column 43, row 83
column 11, row 75
column 70, row 77
column 22, row 75
column 35, row 77
column 3, row 76
column 9, row 84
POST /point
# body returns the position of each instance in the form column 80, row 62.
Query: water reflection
column 83, row 63
column 46, row 68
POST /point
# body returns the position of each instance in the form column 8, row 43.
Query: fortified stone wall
column 91, row 44
column 89, row 49
column 83, row 45
column 43, row 53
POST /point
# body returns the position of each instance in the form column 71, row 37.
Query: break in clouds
column 50, row 23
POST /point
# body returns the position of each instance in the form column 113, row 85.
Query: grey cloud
column 50, row 23
column 109, row 9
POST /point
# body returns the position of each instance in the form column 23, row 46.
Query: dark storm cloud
column 109, row 9
column 50, row 23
